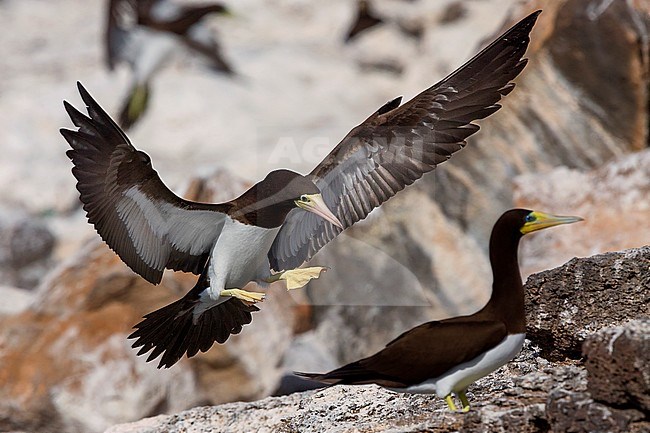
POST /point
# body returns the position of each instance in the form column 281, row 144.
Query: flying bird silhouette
column 283, row 220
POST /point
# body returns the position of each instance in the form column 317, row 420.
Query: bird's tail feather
column 354, row 373
column 173, row 330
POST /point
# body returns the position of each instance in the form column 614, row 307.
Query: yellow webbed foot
column 450, row 402
column 297, row 278
column 464, row 401
column 244, row 295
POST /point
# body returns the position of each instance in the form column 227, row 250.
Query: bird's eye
column 530, row 218
column 304, row 198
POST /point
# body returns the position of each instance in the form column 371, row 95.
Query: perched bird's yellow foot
column 464, row 401
column 297, row 278
column 244, row 295
column 450, row 402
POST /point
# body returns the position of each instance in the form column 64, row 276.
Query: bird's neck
column 268, row 217
column 257, row 209
column 507, row 300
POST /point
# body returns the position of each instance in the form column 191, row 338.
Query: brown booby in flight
column 445, row 357
column 145, row 33
column 283, row 220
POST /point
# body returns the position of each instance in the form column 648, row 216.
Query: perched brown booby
column 145, row 33
column 282, row 221
column 445, row 357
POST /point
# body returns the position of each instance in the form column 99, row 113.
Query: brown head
column 507, row 300
column 267, row 203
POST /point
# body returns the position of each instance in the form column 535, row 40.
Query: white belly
column 240, row 255
column 459, row 378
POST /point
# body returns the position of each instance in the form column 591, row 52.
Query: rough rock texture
column 25, row 248
column 512, row 399
column 531, row 394
column 566, row 304
column 618, row 364
column 576, row 412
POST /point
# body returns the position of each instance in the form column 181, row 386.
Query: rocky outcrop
column 528, row 396
column 577, row 412
column 540, row 391
column 566, row 304
column 618, row 384
column 499, row 401
column 26, row 245
column 618, row 364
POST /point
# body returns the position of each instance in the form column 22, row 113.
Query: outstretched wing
column 431, row 350
column 398, row 144
column 145, row 223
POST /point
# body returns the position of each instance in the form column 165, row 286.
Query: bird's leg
column 464, row 401
column 297, row 278
column 244, row 295
column 450, row 402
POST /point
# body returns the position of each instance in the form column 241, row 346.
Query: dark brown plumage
column 117, row 183
column 175, row 330
column 152, row 229
column 431, row 351
column 397, row 144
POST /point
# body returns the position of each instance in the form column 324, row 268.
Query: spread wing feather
column 397, row 144
column 144, row 222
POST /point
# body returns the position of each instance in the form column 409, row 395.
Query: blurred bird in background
column 146, row 33
column 365, row 19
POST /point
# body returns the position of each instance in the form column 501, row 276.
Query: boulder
column 566, row 304
column 577, row 412
column 618, row 365
column 26, row 245
column 498, row 402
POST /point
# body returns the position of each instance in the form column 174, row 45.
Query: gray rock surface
column 500, row 402
column 566, row 304
column 538, row 392
column 26, row 245
column 576, row 412
column 618, row 364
